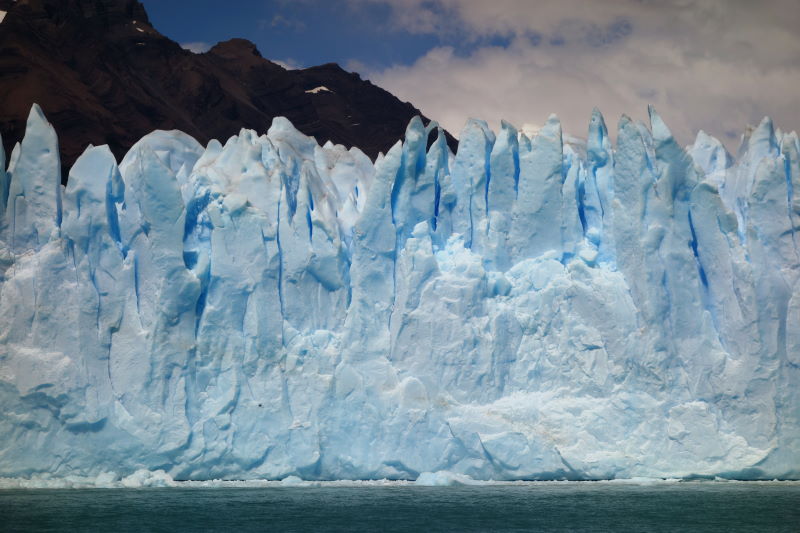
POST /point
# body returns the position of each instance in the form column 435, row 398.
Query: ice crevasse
column 542, row 308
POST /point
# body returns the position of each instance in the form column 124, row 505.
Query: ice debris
column 444, row 479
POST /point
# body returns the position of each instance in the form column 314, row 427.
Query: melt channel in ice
column 529, row 308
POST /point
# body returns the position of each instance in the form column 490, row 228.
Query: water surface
column 581, row 506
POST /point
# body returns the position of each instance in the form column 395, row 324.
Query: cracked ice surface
column 525, row 309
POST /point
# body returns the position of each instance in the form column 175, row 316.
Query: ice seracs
column 532, row 307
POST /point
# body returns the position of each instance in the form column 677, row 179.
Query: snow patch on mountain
column 320, row 89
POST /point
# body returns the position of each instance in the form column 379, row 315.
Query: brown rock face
column 104, row 75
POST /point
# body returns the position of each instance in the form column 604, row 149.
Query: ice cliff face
column 528, row 308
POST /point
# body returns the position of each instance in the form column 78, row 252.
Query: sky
column 715, row 65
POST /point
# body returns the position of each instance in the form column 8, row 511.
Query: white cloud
column 706, row 64
column 196, row 47
column 279, row 21
column 288, row 63
column 354, row 65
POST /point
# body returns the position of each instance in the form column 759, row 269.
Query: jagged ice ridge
column 526, row 309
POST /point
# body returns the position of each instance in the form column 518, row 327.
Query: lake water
column 554, row 506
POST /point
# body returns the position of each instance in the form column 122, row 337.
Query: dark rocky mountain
column 104, row 75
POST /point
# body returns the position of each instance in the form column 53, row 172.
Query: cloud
column 198, row 47
column 280, row 21
column 354, row 65
column 288, row 63
column 706, row 64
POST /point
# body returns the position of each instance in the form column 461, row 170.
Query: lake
column 544, row 506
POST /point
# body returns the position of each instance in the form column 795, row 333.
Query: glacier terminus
column 528, row 308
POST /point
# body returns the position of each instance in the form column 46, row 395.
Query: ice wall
column 525, row 309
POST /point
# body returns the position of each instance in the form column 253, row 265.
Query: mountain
column 525, row 309
column 104, row 75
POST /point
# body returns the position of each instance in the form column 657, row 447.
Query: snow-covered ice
column 530, row 308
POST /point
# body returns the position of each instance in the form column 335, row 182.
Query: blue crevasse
column 525, row 309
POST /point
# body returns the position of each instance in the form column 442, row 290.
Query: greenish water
column 526, row 507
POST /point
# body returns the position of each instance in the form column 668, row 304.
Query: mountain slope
column 104, row 75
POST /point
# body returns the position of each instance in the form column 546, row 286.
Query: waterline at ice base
column 528, row 308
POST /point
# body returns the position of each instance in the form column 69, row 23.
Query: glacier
column 526, row 309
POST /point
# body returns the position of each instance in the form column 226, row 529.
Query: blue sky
column 716, row 65
column 304, row 33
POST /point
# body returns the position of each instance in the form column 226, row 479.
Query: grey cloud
column 715, row 65
column 197, row 47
